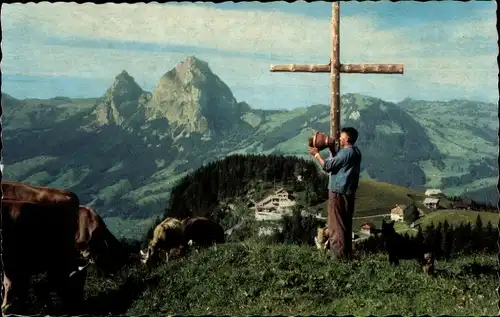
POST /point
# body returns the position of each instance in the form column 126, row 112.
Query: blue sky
column 449, row 48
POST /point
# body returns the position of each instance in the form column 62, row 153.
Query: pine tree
column 419, row 237
column 458, row 239
column 477, row 235
column 410, row 214
column 468, row 238
column 446, row 240
column 429, row 233
column 491, row 237
column 437, row 238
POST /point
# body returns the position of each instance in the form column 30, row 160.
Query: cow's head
column 145, row 255
column 148, row 256
column 106, row 252
column 151, row 255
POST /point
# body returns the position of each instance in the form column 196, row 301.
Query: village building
column 431, row 203
column 367, row 228
column 434, row 192
column 274, row 206
column 269, row 231
column 397, row 213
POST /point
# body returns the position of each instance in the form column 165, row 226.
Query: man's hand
column 313, row 151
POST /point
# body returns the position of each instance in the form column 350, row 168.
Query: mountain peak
column 192, row 63
column 191, row 71
column 124, row 78
column 191, row 95
column 124, row 87
column 121, row 101
column 124, row 75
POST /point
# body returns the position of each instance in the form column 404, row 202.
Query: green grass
column 25, row 166
column 260, row 279
column 376, row 198
column 276, row 120
column 475, row 185
column 456, row 217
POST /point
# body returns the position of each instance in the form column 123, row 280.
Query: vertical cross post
column 335, row 68
column 335, row 74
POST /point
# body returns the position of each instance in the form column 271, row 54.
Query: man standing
column 344, row 170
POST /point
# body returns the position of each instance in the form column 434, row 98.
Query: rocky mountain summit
column 196, row 100
column 122, row 102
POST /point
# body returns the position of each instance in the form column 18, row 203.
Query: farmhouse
column 367, row 228
column 433, row 192
column 431, row 203
column 274, row 206
column 397, row 213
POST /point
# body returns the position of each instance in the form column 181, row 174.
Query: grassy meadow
column 255, row 278
column 377, row 198
column 456, row 217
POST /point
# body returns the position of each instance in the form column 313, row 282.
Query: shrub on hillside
column 246, row 229
column 410, row 214
column 373, row 244
column 298, row 229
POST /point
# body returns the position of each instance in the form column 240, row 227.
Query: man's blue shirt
column 344, row 169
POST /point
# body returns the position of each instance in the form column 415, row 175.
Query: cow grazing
column 96, row 243
column 202, row 232
column 167, row 235
column 39, row 238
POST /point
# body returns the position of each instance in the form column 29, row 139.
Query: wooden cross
column 335, row 68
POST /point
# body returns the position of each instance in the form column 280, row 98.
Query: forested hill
column 202, row 192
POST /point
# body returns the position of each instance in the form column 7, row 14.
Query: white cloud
column 458, row 56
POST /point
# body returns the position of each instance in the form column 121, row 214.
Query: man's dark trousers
column 340, row 213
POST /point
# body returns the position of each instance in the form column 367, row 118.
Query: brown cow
column 40, row 238
column 174, row 237
column 201, row 231
column 38, row 194
column 167, row 235
column 96, row 243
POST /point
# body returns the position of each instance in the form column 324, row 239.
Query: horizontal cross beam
column 344, row 68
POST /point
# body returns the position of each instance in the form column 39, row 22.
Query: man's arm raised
column 331, row 164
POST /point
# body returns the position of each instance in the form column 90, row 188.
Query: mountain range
column 122, row 152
